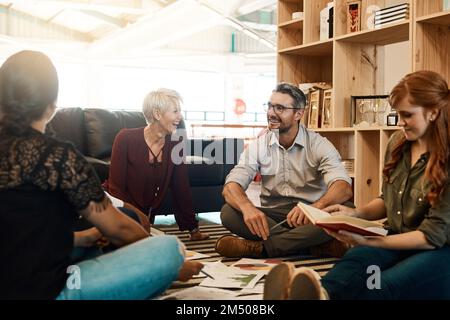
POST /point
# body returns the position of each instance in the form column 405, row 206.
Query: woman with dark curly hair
column 45, row 185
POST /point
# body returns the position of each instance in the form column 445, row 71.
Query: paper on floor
column 193, row 255
column 202, row 293
column 260, row 265
column 230, row 277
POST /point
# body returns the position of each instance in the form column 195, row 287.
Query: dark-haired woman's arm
column 117, row 227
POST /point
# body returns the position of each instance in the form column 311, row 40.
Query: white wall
column 397, row 64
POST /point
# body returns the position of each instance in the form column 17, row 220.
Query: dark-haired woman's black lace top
column 43, row 185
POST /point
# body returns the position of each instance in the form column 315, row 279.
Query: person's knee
column 228, row 215
column 363, row 254
column 164, row 246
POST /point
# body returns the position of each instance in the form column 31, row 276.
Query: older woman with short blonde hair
column 142, row 170
column 160, row 101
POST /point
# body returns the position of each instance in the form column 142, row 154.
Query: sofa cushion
column 131, row 119
column 202, row 174
column 101, row 167
column 68, row 125
column 102, row 126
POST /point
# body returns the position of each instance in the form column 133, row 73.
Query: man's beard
column 282, row 127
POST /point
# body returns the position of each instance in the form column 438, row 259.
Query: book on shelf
column 393, row 8
column 391, row 14
column 331, row 23
column 337, row 223
column 388, row 22
column 354, row 16
column 391, row 19
column 325, row 22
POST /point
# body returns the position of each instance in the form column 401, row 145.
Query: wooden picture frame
column 305, row 117
column 326, row 109
column 369, row 110
column 353, row 16
column 314, row 110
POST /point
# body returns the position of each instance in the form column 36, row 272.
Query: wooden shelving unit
column 390, row 34
column 432, row 37
column 360, row 63
column 440, row 18
column 294, row 24
column 319, row 48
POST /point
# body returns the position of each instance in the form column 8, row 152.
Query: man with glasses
column 296, row 164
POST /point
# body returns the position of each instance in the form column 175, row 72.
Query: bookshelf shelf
column 319, row 48
column 440, row 18
column 378, row 129
column 394, row 33
column 292, row 24
column 335, row 130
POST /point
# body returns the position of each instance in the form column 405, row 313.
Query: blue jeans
column 141, row 270
column 404, row 274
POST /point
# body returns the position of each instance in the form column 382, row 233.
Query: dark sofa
column 92, row 131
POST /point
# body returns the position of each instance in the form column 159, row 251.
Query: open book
column 336, row 223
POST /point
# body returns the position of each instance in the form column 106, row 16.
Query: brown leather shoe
column 333, row 248
column 234, row 247
column 198, row 236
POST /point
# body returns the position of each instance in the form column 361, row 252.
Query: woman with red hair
column 412, row 262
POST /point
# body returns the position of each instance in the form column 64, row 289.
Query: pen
column 207, row 274
column 278, row 224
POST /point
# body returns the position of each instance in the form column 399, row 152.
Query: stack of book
column 391, row 15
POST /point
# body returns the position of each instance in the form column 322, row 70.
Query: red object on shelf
column 239, row 107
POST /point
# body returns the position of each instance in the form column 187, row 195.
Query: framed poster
column 353, row 16
column 326, row 109
column 314, row 109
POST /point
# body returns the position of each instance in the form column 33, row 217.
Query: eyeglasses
column 278, row 108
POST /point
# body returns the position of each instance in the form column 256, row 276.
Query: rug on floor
column 321, row 265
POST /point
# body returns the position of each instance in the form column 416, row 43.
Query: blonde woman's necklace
column 155, row 156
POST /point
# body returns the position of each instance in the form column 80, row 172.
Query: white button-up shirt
column 303, row 172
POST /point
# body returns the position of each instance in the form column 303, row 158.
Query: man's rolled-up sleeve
column 330, row 165
column 244, row 172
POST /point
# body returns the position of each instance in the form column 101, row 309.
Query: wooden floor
column 321, row 265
